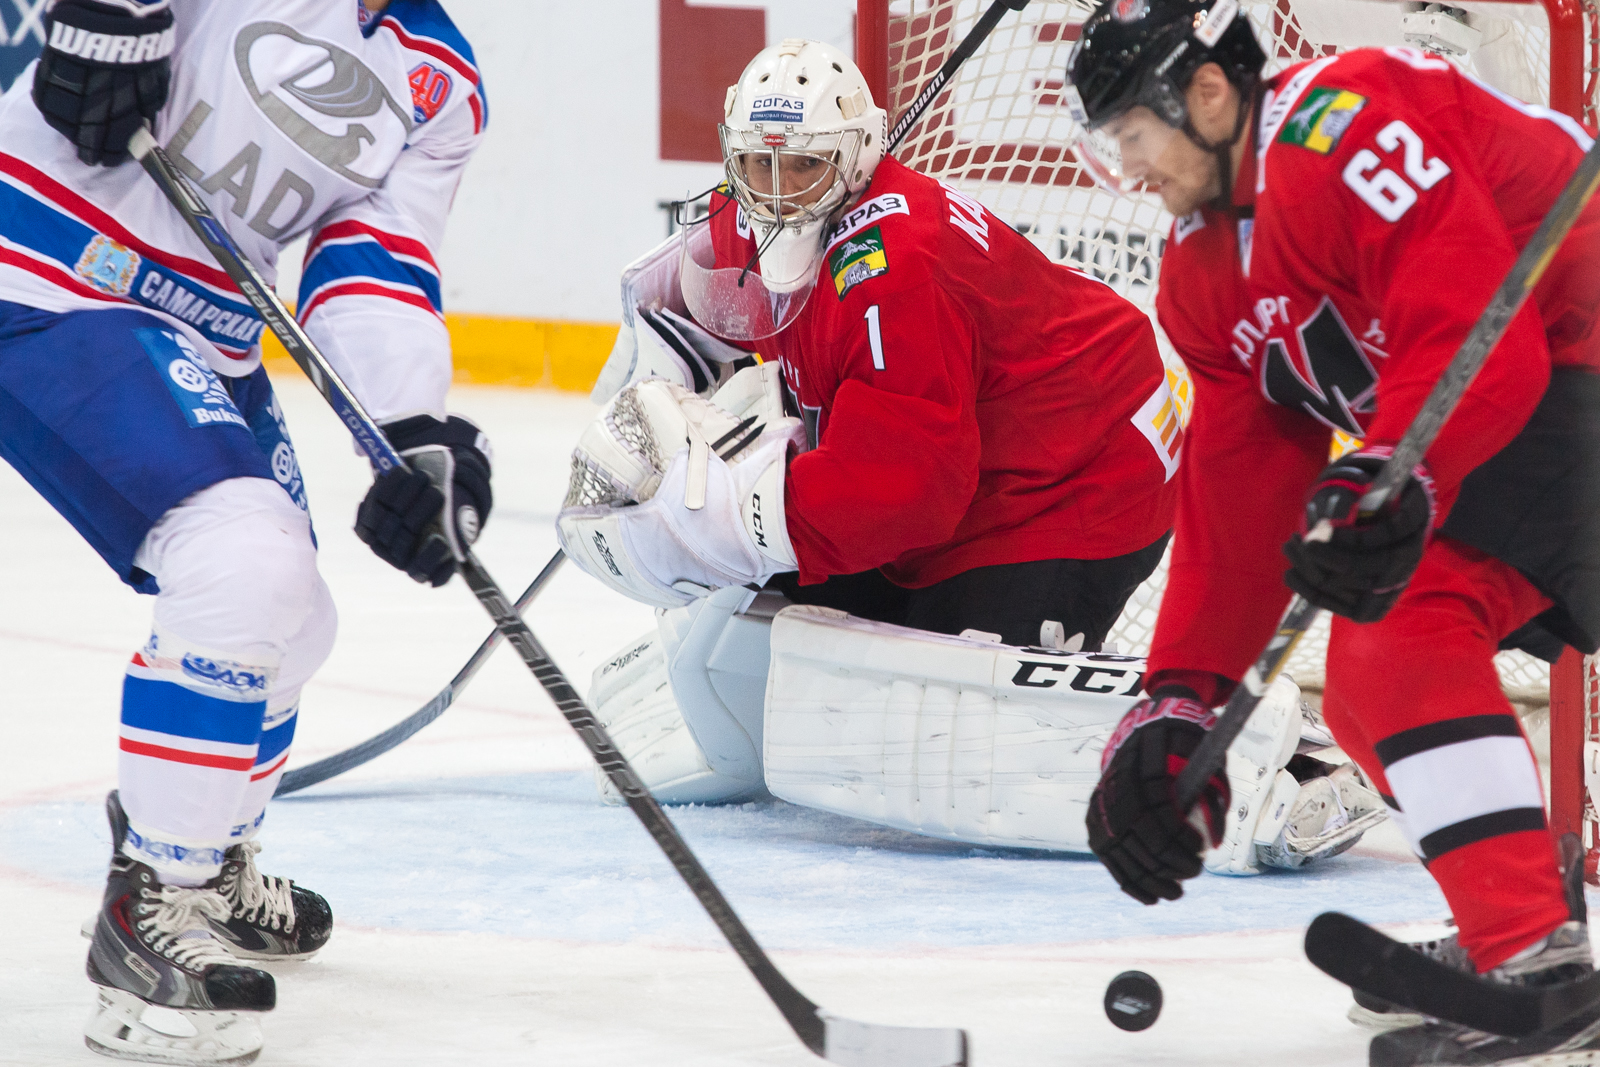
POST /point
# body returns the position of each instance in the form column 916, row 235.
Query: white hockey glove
column 673, row 495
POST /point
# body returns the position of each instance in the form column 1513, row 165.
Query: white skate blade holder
column 126, row 1028
column 856, row 1044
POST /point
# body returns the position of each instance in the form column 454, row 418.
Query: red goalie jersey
column 1384, row 202
column 968, row 402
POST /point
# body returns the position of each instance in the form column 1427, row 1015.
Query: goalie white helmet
column 801, row 138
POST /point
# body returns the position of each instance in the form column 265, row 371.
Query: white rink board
column 490, row 911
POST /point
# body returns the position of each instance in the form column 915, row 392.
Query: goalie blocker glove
column 1135, row 826
column 422, row 521
column 1364, row 565
column 104, row 72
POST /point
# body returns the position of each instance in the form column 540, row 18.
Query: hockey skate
column 154, row 948
column 269, row 918
column 272, row 918
column 1562, row 956
column 1375, row 1013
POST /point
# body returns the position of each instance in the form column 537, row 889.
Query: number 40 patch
column 1385, row 191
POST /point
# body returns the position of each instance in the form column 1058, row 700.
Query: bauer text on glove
column 1135, row 825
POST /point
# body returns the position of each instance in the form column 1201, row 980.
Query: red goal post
column 998, row 134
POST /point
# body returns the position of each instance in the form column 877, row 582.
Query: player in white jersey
column 132, row 398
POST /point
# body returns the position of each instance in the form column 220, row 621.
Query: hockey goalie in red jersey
column 1341, row 226
column 986, row 439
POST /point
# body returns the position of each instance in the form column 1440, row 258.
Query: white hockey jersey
column 291, row 116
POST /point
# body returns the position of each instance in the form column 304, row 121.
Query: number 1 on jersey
column 875, row 337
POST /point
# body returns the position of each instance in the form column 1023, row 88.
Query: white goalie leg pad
column 952, row 737
column 1275, row 820
column 1328, row 816
column 684, row 705
column 1262, row 791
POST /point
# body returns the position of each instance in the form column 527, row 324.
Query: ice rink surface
column 489, row 910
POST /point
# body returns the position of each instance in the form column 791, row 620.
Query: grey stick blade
column 856, row 1044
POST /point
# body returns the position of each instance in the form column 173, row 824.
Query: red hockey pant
column 1415, row 700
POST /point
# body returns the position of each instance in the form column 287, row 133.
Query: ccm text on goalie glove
column 1135, row 825
column 1356, row 564
column 423, row 520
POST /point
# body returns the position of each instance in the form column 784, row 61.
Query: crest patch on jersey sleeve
column 1322, row 119
column 430, row 88
column 857, row 259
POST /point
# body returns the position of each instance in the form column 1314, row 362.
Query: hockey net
column 999, row 134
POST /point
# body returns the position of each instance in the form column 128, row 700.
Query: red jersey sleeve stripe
column 401, row 246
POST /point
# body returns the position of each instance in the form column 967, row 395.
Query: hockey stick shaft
column 330, row 766
column 803, row 1016
column 1211, row 754
column 941, row 78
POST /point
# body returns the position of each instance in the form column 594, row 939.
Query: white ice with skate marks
column 489, row 911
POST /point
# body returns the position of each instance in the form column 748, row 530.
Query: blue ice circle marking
column 187, row 375
column 283, row 463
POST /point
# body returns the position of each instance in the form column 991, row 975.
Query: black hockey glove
column 422, row 521
column 1363, row 567
column 1135, row 826
column 104, row 73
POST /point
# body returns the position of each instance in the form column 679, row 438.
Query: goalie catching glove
column 1363, row 566
column 423, row 520
column 673, row 495
column 1135, row 826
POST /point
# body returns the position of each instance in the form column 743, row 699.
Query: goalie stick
column 837, row 1039
column 329, row 766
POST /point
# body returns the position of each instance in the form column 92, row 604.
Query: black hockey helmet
column 1134, row 52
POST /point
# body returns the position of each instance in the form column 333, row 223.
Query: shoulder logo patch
column 430, row 88
column 857, row 259
column 1322, row 119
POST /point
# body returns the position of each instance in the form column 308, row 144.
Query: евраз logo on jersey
column 1320, row 122
column 857, row 259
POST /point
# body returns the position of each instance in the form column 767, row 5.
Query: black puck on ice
column 1133, row 1001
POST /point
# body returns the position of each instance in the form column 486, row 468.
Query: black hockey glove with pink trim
column 1364, row 565
column 104, row 73
column 1135, row 827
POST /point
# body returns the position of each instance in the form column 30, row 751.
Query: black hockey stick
column 1525, row 273
column 963, row 52
column 375, row 746
column 843, row 1041
column 1365, row 959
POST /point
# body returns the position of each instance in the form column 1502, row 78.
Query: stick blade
column 1365, row 959
column 856, row 1044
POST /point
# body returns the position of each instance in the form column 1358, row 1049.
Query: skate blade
column 126, row 1028
column 1380, row 1022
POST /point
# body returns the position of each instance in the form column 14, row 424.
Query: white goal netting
column 998, row 134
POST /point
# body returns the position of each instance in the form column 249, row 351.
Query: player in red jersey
column 989, row 439
column 1341, row 227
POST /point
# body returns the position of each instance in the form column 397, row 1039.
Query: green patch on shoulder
column 857, row 258
column 1322, row 119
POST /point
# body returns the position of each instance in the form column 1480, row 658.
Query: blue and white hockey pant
column 188, row 486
